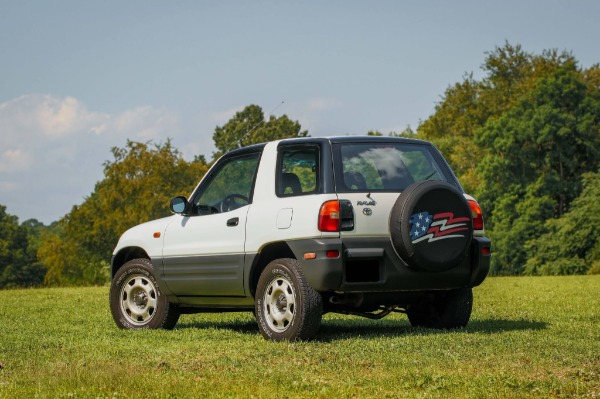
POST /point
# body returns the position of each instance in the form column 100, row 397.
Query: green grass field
column 528, row 337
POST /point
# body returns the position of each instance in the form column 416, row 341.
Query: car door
column 203, row 253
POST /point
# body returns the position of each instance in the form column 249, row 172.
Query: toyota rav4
column 296, row 228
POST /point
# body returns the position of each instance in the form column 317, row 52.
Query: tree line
column 524, row 140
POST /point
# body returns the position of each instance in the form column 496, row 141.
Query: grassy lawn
column 528, row 337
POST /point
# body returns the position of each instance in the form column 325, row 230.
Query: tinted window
column 383, row 167
column 297, row 170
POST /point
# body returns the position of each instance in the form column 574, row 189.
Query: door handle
column 233, row 222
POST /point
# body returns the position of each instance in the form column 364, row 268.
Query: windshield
column 383, row 166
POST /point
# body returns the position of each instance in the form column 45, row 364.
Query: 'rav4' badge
column 366, row 203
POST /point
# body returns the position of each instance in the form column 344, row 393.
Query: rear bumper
column 370, row 264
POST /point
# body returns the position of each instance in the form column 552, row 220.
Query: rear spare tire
column 431, row 226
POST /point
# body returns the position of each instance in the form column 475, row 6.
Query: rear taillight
column 329, row 216
column 476, row 214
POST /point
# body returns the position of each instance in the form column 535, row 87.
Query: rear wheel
column 136, row 301
column 287, row 307
column 444, row 309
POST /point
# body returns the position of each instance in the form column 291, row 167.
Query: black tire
column 136, row 301
column 440, row 216
column 287, row 307
column 443, row 309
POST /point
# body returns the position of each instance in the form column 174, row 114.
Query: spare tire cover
column 431, row 226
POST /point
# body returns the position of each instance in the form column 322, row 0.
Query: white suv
column 296, row 228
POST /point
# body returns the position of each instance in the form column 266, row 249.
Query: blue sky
column 79, row 77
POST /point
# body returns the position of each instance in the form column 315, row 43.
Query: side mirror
column 178, row 205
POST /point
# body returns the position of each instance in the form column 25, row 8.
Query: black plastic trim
column 323, row 273
column 328, row 274
column 203, row 275
column 365, row 253
column 375, row 139
column 481, row 266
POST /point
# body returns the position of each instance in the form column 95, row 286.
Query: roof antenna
column 239, row 141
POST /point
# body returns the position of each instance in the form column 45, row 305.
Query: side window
column 229, row 188
column 297, row 171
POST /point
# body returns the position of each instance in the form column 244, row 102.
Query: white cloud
column 64, row 117
column 52, row 149
column 44, row 115
column 145, row 123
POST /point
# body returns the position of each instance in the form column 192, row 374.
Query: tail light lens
column 329, row 216
column 476, row 214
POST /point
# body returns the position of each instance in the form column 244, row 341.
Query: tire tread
column 309, row 304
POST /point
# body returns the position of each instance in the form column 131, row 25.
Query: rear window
column 383, row 166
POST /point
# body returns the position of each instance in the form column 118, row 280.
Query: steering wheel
column 229, row 203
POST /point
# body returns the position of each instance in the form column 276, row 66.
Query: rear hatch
column 371, row 174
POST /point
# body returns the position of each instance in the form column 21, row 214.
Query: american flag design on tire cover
column 441, row 226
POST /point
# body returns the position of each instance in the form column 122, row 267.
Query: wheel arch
column 267, row 254
column 125, row 255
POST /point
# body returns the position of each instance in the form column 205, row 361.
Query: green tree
column 467, row 106
column 520, row 140
column 571, row 244
column 18, row 263
column 453, row 126
column 250, row 127
column 541, row 148
column 137, row 187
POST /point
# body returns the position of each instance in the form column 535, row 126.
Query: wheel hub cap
column 140, row 299
column 279, row 304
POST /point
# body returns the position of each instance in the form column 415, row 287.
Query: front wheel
column 287, row 307
column 136, row 301
column 443, row 309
